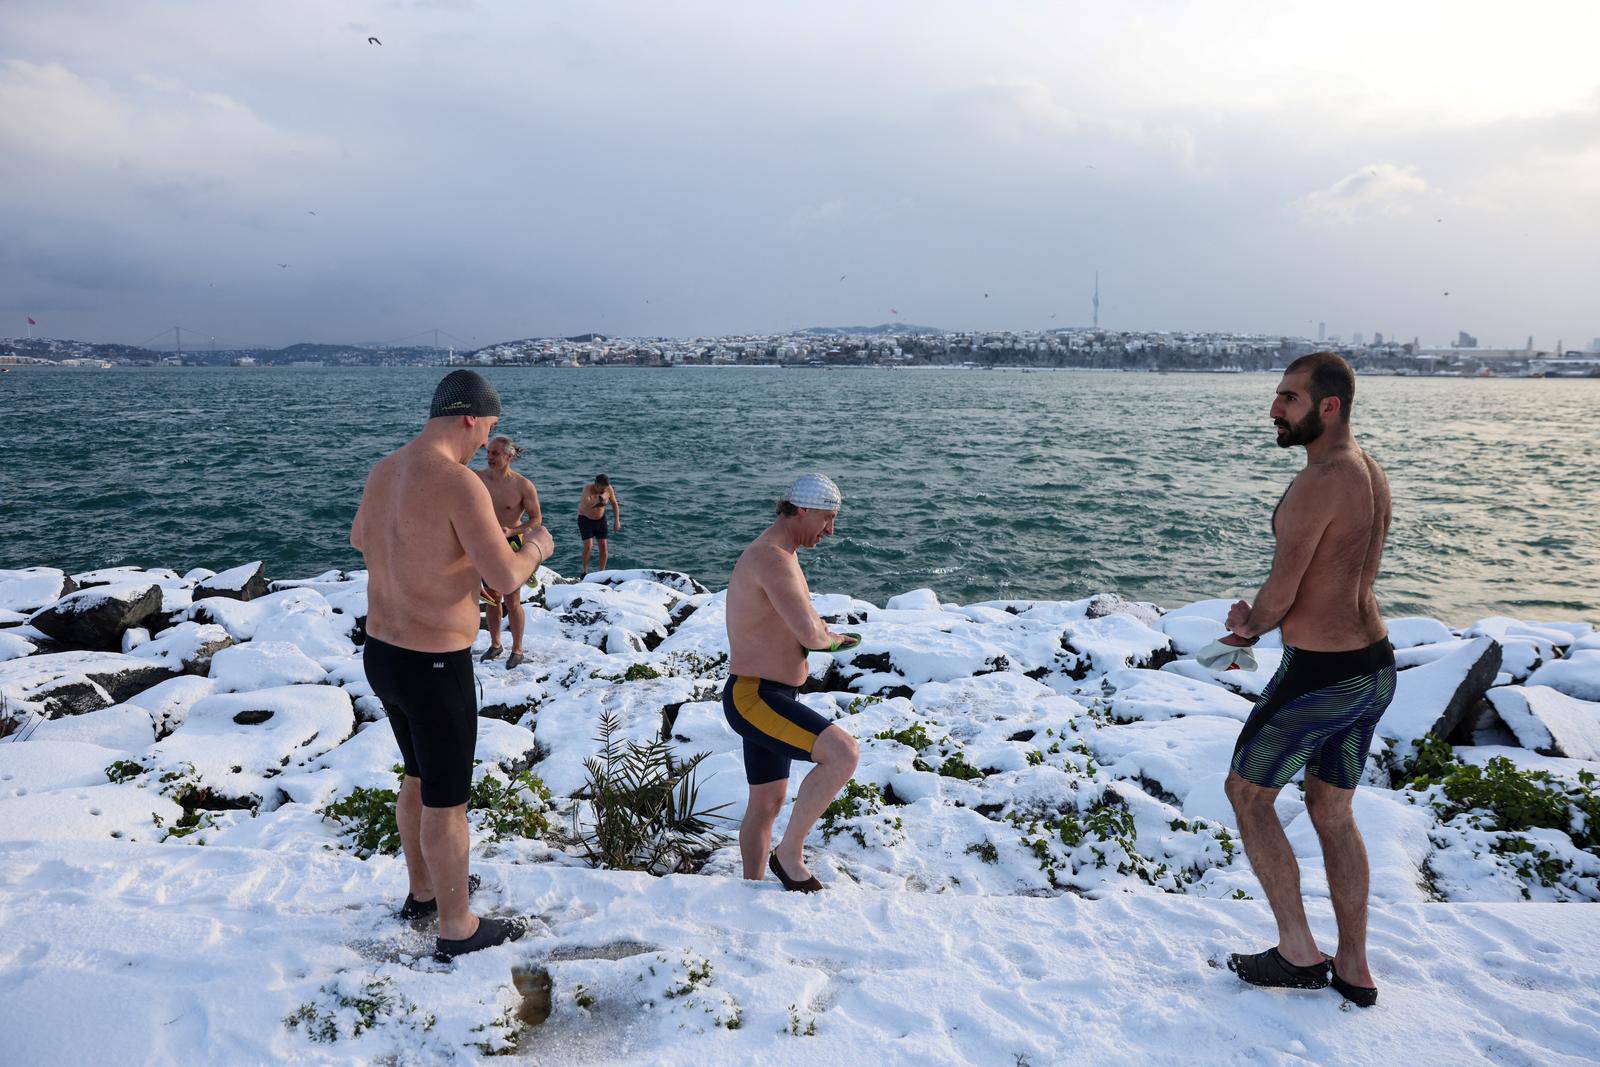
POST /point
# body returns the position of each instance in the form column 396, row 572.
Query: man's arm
column 530, row 504
column 1303, row 518
column 358, row 528
column 478, row 529
column 616, row 510
column 786, row 589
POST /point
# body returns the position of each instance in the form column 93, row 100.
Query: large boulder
column 1548, row 721
column 1437, row 697
column 240, row 583
column 31, row 588
column 96, row 618
column 187, row 647
column 71, row 683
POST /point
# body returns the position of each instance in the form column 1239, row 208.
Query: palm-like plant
column 644, row 807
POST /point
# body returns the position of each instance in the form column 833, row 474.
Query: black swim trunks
column 776, row 727
column 1318, row 712
column 590, row 528
column 432, row 702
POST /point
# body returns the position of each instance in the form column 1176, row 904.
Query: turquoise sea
column 979, row 484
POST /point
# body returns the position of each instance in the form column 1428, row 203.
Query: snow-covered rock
column 263, row 665
column 31, row 588
column 1550, row 722
column 245, row 582
column 38, row 765
column 1578, row 675
column 1435, row 698
column 96, row 617
column 69, row 683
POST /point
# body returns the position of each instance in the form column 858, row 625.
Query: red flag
column 31, row 322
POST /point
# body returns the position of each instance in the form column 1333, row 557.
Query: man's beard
column 1303, row 432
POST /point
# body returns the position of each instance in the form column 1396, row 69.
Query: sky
column 263, row 174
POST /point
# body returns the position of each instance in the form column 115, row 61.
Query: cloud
column 1378, row 190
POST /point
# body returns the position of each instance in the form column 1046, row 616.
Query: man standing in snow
column 771, row 625
column 1336, row 679
column 428, row 529
column 514, row 496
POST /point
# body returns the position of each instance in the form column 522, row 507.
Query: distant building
column 1594, row 346
column 1466, row 340
column 1322, row 334
column 1358, row 339
column 1377, row 338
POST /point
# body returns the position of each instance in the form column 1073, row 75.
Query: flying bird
column 986, row 296
column 284, row 265
column 842, row 277
column 311, row 213
column 374, row 40
column 894, row 311
column 1447, row 292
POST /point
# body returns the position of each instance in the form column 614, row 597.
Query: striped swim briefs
column 777, row 729
column 1318, row 712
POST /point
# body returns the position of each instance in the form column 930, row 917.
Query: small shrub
column 502, row 809
column 636, row 672
column 913, row 736
column 860, row 704
column 858, row 810
column 345, row 1010
column 124, row 770
column 366, row 821
column 956, row 766
column 984, row 850
column 645, row 807
column 795, row 1028
column 1035, row 758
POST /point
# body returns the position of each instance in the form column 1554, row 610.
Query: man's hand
column 1238, row 615
column 540, row 538
column 616, row 527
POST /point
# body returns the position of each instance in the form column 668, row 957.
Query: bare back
column 760, row 643
column 422, row 590
column 1334, row 609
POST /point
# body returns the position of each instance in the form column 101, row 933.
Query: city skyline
column 270, row 176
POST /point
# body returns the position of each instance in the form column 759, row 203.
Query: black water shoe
column 490, row 932
column 421, row 909
column 1362, row 996
column 1270, row 969
column 810, row 885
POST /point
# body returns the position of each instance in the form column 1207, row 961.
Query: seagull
column 284, row 265
column 842, row 277
column 374, row 40
column 1447, row 292
column 986, row 296
column 311, row 213
column 894, row 311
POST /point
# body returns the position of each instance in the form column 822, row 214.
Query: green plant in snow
column 645, row 807
column 366, row 821
column 858, row 811
column 124, row 770
column 345, row 1009
column 913, row 736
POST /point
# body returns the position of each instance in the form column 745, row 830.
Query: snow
column 1549, row 721
column 1048, row 870
column 1577, row 676
column 14, row 647
column 234, row 579
column 30, row 589
column 917, row 978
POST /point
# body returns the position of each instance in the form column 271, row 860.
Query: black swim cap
column 464, row 392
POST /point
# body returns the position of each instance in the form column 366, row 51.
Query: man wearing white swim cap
column 771, row 627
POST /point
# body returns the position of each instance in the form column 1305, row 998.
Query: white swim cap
column 815, row 491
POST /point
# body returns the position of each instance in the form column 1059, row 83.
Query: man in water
column 1336, row 679
column 513, row 495
column 771, row 625
column 592, row 516
column 428, row 529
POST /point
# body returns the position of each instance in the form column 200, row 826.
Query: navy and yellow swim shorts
column 777, row 729
column 1318, row 712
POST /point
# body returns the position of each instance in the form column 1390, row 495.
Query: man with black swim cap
column 771, row 626
column 1336, row 679
column 428, row 529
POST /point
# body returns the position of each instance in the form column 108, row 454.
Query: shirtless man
column 592, row 516
column 427, row 528
column 1335, row 682
column 513, row 495
column 771, row 625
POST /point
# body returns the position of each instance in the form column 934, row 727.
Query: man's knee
column 836, row 748
column 1247, row 797
column 765, row 802
column 1329, row 806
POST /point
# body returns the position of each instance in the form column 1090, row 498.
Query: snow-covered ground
column 1038, row 864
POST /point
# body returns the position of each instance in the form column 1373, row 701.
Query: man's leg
column 602, row 554
column 492, row 620
column 408, row 816
column 755, row 831
column 1345, row 854
column 587, row 542
column 835, row 753
column 518, row 619
column 1273, row 861
column 445, row 844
